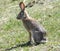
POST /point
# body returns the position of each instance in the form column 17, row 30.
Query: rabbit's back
column 33, row 25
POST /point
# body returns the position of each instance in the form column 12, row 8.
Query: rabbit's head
column 22, row 14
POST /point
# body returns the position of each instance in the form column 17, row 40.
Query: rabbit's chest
column 27, row 25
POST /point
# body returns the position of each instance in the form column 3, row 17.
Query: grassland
column 12, row 31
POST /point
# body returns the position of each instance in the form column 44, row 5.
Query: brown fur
column 36, row 31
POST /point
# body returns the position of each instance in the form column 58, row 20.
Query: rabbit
column 36, row 31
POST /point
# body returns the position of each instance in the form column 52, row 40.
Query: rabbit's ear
column 22, row 5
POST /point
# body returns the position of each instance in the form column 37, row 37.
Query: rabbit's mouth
column 21, row 18
column 17, row 17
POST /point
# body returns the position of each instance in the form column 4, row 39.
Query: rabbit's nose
column 17, row 17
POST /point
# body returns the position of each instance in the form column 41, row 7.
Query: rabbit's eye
column 22, row 13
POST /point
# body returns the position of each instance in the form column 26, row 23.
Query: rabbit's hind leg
column 38, row 37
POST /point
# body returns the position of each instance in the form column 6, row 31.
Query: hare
column 36, row 31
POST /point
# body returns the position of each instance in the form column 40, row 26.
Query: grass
column 12, row 31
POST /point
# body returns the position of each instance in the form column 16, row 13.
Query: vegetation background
column 12, row 31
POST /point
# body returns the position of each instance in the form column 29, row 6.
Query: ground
column 13, row 33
